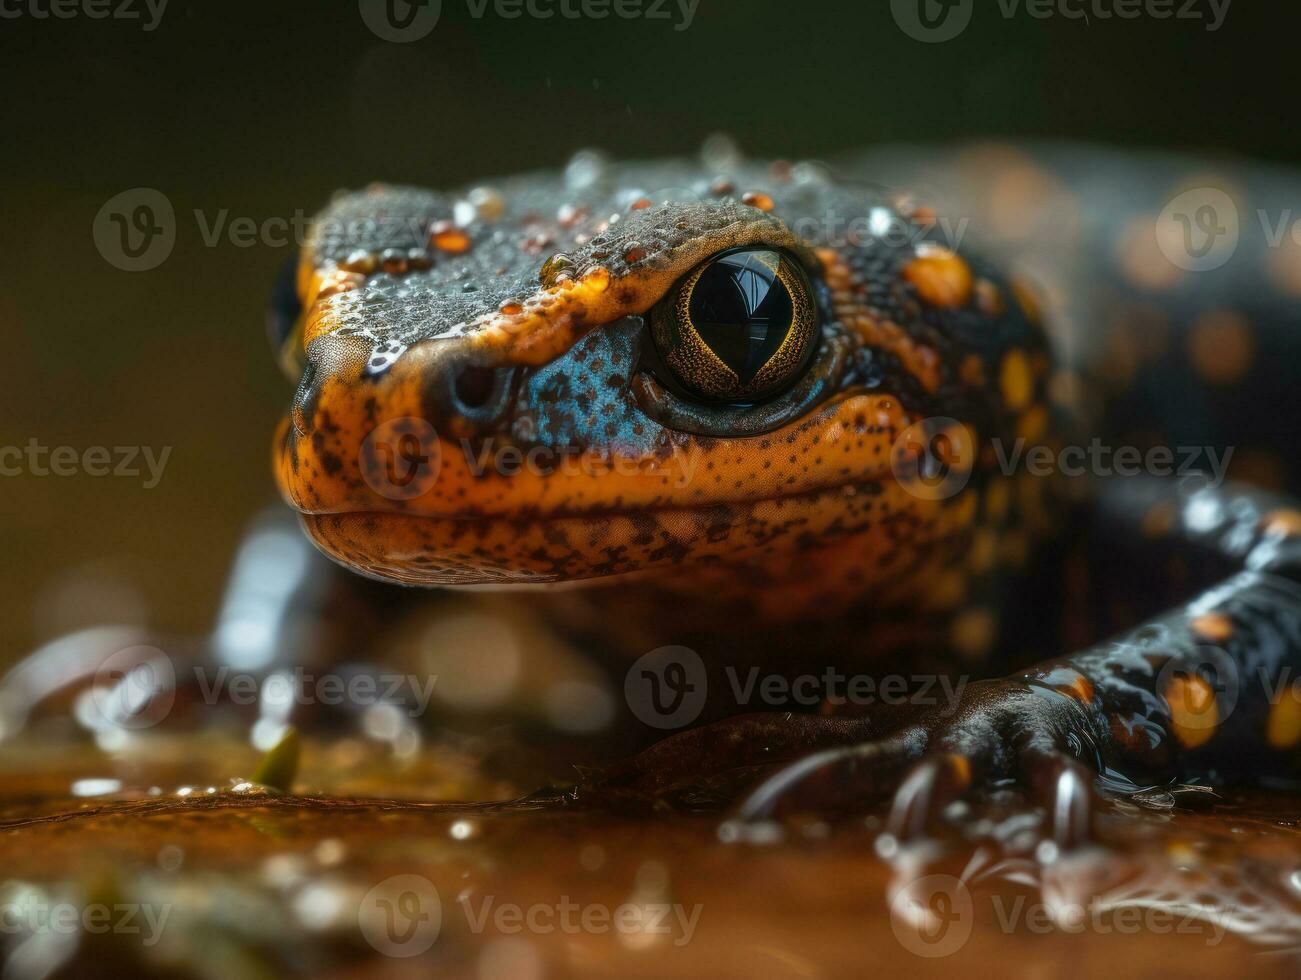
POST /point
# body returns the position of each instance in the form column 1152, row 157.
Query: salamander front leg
column 1207, row 693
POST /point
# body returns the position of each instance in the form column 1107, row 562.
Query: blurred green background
column 261, row 110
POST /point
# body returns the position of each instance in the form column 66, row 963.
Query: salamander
column 883, row 410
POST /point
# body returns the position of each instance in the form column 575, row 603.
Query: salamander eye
column 738, row 328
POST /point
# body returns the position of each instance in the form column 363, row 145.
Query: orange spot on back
column 961, row 766
column 941, row 277
column 1284, row 726
column 1016, row 381
column 1215, row 627
column 1193, row 710
column 1283, row 523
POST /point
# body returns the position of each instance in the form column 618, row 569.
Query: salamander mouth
column 523, row 550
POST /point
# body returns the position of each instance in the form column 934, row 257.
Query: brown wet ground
column 350, row 876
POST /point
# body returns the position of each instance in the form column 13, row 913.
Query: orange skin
column 815, row 511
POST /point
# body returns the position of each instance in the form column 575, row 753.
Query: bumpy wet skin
column 363, row 866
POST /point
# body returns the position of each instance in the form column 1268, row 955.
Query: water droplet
column 446, row 237
column 489, row 202
column 584, row 169
column 554, row 267
column 511, row 307
column 464, row 213
column 810, row 172
column 361, row 261
column 462, row 830
column 535, row 243
column 757, row 199
column 570, row 214
column 393, row 261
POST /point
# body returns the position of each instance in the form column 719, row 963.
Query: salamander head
column 645, row 369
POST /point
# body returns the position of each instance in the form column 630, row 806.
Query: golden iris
column 739, row 327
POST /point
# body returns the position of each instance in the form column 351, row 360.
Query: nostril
column 474, row 386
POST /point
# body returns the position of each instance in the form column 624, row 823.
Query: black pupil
column 742, row 310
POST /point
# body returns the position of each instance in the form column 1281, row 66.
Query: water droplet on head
column 585, row 168
column 393, row 261
column 464, row 213
column 489, row 202
column 446, row 237
column 552, row 269
column 810, row 172
column 359, row 260
column 570, row 214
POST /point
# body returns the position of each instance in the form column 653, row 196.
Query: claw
column 929, row 787
column 832, row 777
column 1066, row 788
